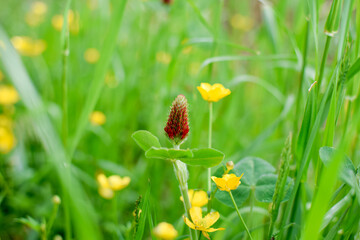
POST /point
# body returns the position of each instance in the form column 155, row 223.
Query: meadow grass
column 292, row 70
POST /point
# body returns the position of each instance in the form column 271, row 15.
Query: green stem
column 322, row 66
column 52, row 219
column 209, row 142
column 181, row 175
column 242, row 220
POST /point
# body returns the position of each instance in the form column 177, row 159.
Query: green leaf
column 265, row 188
column 347, row 172
column 168, row 153
column 354, row 69
column 253, row 168
column 145, row 140
column 144, row 205
column 30, row 222
column 207, row 157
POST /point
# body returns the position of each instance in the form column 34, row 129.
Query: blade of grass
column 100, row 73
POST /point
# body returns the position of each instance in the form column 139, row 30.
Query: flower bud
column 56, row 199
column 230, row 165
column 177, row 127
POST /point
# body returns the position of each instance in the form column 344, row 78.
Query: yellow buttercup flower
column 7, row 140
column 242, row 22
column 97, row 118
column 91, row 55
column 165, row 231
column 117, row 183
column 8, row 95
column 163, row 57
column 198, row 198
column 27, row 46
column 228, row 182
column 36, row 14
column 200, row 223
column 213, row 93
column 57, row 22
column 107, row 186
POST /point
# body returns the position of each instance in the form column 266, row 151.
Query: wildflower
column 57, row 22
column 56, row 199
column 165, row 231
column 7, row 140
column 91, row 55
column 163, row 57
column 27, row 46
column 228, row 182
column 230, row 165
column 97, row 118
column 8, row 95
column 242, row 22
column 213, row 93
column 197, row 198
column 177, row 127
column 107, row 186
column 36, row 14
column 200, row 223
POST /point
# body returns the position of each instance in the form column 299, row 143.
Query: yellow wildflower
column 200, row 223
column 242, row 22
column 165, row 231
column 117, row 183
column 229, row 165
column 73, row 22
column 7, row 140
column 97, row 118
column 91, row 55
column 27, row 46
column 228, row 182
column 197, row 198
column 107, row 186
column 8, row 95
column 163, row 57
column 213, row 93
column 36, row 14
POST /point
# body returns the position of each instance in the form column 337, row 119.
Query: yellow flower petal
column 117, row 183
column 8, row 95
column 97, row 118
column 91, row 55
column 189, row 223
column 214, row 229
column 220, row 183
column 7, row 140
column 206, row 235
column 106, row 193
column 165, row 231
column 211, row 218
column 197, row 198
column 27, row 46
column 102, row 180
column 195, row 214
column 213, row 93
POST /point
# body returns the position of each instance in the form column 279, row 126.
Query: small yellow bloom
column 200, row 223
column 73, row 22
column 165, row 231
column 107, row 186
column 97, row 118
column 36, row 14
column 91, row 55
column 228, row 182
column 242, row 22
column 197, row 198
column 7, row 140
column 117, row 183
column 229, row 165
column 27, row 46
column 8, row 95
column 163, row 57
column 213, row 93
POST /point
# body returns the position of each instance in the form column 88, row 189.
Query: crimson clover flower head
column 177, row 126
